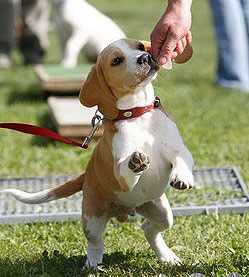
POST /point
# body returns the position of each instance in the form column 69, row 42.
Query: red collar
column 138, row 111
column 43, row 132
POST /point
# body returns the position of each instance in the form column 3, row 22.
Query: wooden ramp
column 71, row 119
column 55, row 78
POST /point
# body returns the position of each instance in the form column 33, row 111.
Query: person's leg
column 232, row 40
column 245, row 6
column 34, row 40
column 7, row 31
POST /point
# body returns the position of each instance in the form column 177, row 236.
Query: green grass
column 213, row 123
column 210, row 245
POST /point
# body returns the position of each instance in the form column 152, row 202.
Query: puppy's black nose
column 147, row 59
column 144, row 58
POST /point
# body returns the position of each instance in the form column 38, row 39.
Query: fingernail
column 166, row 64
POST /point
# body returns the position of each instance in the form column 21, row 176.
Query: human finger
column 167, row 49
column 185, row 56
column 180, row 46
column 157, row 38
column 156, row 45
column 189, row 37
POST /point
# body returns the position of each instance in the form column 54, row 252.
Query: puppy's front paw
column 139, row 162
column 181, row 178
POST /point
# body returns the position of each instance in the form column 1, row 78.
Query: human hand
column 171, row 35
column 183, row 51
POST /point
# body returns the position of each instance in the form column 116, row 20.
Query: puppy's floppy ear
column 88, row 93
column 95, row 91
column 147, row 46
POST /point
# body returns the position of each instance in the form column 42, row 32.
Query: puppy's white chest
column 146, row 134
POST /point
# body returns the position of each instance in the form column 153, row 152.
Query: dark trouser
column 33, row 37
column 7, row 26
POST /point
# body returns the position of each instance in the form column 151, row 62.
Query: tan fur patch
column 84, row 224
column 100, row 183
column 95, row 91
column 69, row 188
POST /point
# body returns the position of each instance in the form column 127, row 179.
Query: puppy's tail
column 48, row 195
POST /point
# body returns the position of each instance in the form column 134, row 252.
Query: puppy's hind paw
column 88, row 266
column 170, row 259
column 92, row 268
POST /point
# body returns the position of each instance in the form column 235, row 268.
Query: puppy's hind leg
column 72, row 48
column 93, row 228
column 159, row 217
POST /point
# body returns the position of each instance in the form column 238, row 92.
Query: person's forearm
column 172, row 32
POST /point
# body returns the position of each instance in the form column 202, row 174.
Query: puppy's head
column 121, row 68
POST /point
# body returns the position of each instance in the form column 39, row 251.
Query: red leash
column 43, row 132
column 40, row 131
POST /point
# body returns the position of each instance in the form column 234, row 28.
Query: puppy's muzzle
column 147, row 59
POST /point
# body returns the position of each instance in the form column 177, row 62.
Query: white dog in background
column 82, row 27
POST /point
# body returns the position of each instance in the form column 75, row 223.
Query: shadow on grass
column 45, row 121
column 4, row 84
column 115, row 264
column 31, row 94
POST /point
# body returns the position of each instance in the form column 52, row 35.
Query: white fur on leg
column 157, row 243
column 159, row 218
column 93, row 228
column 178, row 155
column 95, row 249
column 181, row 176
column 72, row 49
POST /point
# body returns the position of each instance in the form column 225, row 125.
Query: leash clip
column 157, row 102
column 97, row 118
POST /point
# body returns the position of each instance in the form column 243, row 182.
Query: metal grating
column 219, row 190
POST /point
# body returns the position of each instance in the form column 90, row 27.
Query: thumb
column 164, row 57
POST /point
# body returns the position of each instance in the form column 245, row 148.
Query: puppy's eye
column 141, row 47
column 116, row 61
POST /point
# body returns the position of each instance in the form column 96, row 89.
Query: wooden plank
column 57, row 78
column 71, row 118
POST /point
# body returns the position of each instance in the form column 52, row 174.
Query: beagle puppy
column 140, row 153
column 81, row 26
